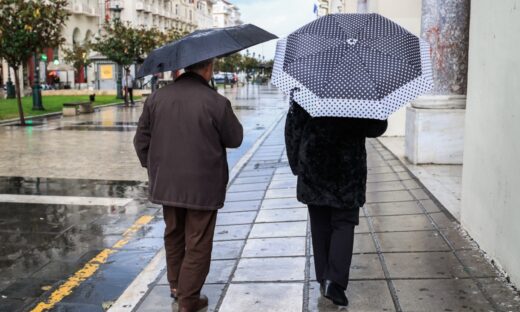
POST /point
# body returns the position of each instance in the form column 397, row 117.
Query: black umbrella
column 202, row 45
column 353, row 65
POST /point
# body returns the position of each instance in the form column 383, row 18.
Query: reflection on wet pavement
column 77, row 159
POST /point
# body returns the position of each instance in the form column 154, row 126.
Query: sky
column 280, row 17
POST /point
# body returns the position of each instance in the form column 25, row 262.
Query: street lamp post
column 37, row 89
column 116, row 13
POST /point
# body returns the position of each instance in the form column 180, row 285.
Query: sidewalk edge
column 139, row 288
column 8, row 122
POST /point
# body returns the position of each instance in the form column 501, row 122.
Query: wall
column 491, row 176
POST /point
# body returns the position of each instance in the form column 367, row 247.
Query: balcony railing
column 79, row 7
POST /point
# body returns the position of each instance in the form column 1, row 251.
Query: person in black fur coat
column 329, row 157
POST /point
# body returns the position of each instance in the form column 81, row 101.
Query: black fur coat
column 329, row 157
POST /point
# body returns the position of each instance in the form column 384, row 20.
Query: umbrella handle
column 213, row 83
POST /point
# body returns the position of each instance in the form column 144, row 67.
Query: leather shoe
column 193, row 305
column 334, row 292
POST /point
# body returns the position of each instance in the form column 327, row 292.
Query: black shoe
column 334, row 292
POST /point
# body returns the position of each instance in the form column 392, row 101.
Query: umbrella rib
column 394, row 57
column 364, row 65
column 368, row 45
column 318, row 52
column 335, row 63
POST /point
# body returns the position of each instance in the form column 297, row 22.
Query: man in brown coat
column 181, row 139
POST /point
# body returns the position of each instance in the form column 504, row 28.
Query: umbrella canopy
column 353, row 65
column 202, row 45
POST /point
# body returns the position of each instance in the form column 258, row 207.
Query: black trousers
column 332, row 232
column 129, row 92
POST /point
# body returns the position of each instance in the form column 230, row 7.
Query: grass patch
column 52, row 103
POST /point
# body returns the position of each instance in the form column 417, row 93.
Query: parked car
column 228, row 78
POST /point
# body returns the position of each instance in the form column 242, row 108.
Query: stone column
column 435, row 123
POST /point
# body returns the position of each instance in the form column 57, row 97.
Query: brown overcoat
column 181, row 139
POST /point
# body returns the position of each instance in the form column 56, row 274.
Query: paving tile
column 399, row 168
column 420, row 194
column 281, row 203
column 383, row 177
column 363, row 296
column 220, row 271
column 280, row 229
column 242, row 196
column 268, row 297
column 274, row 247
column 281, row 193
column 236, row 218
column 247, row 187
column 283, row 170
column 281, row 215
column 404, row 176
column 363, row 267
column 385, row 186
column 241, row 206
column 159, row 300
column 283, row 176
column 458, row 238
column 256, row 173
column 501, row 293
column 440, row 295
column 270, row 269
column 380, row 169
column 401, row 223
column 363, row 226
column 430, row 205
column 383, row 197
column 282, row 184
column 395, row 208
column 226, row 249
column 247, row 180
column 476, row 263
column 424, row 265
column 411, row 184
column 363, row 243
column 229, row 232
column 442, row 221
column 412, row 241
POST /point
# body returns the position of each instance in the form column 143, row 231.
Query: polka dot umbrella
column 352, row 65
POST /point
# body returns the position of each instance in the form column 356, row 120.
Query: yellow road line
column 90, row 268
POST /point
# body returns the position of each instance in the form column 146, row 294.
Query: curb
column 139, row 288
column 7, row 122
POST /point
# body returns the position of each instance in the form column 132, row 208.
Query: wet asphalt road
column 72, row 188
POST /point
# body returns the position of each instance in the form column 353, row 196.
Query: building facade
column 185, row 15
column 225, row 14
column 88, row 16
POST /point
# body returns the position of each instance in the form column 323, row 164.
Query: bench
column 75, row 108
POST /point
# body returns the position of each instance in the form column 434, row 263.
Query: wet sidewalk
column 410, row 255
column 75, row 223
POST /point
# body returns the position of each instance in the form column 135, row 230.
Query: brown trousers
column 188, row 240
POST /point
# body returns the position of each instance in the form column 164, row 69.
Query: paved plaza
column 409, row 254
column 72, row 196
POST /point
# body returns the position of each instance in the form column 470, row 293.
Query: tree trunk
column 18, row 95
